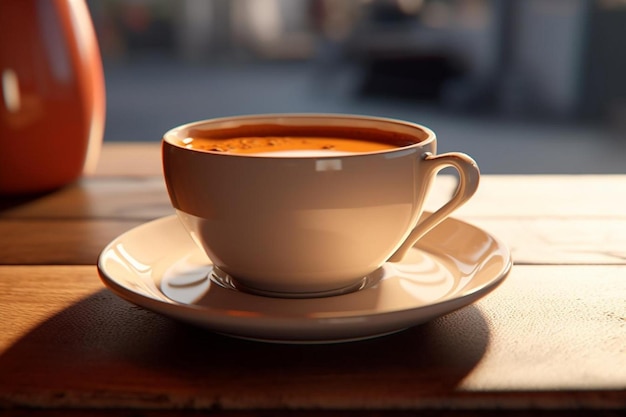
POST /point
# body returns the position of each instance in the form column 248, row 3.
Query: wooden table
column 551, row 337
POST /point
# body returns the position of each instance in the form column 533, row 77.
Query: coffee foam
column 303, row 153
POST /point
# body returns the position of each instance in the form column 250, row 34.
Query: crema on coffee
column 286, row 145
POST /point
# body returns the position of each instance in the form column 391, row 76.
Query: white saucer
column 158, row 266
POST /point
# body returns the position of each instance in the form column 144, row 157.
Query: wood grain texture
column 560, row 241
column 57, row 241
column 101, row 208
column 130, row 159
column 545, row 330
column 542, row 196
column 96, row 198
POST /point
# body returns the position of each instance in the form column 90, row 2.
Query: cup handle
column 469, row 177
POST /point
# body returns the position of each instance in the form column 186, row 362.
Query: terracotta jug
column 52, row 100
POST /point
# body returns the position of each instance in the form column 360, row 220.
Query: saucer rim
column 197, row 314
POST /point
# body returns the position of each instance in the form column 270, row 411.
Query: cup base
column 225, row 280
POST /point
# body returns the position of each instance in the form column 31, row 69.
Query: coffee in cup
column 306, row 205
column 292, row 145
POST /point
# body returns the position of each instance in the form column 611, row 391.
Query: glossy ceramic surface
column 159, row 267
column 322, row 222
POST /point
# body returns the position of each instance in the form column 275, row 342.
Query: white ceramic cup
column 312, row 225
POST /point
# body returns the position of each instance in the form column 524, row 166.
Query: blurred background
column 524, row 86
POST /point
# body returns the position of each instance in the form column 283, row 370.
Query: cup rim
column 172, row 136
